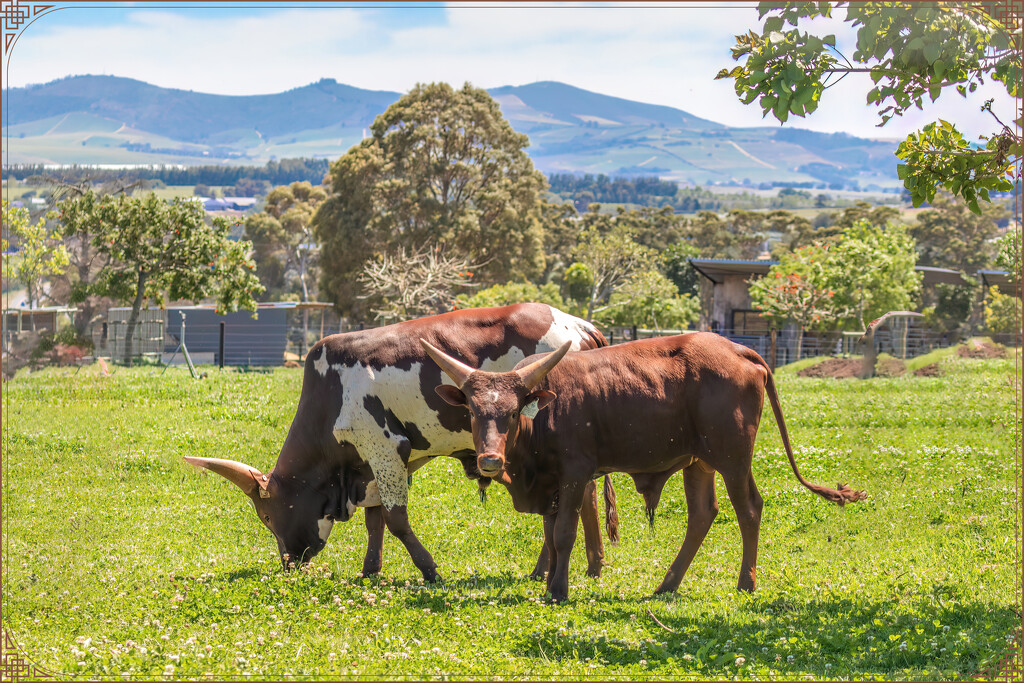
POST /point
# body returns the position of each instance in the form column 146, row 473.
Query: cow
column 367, row 418
column 648, row 408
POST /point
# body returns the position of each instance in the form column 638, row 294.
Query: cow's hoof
column 594, row 572
column 371, row 570
column 556, row 598
column 663, row 589
column 538, row 576
column 434, row 578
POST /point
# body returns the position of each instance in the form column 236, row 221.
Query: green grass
column 119, row 560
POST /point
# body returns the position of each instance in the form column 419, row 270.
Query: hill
column 111, row 120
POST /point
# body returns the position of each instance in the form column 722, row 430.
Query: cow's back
column 643, row 403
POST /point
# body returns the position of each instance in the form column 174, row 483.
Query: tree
column 676, row 264
column 1002, row 312
column 604, row 263
column 40, row 253
column 158, row 249
column 403, row 285
column 799, row 288
column 1008, row 257
column 872, row 271
column 911, row 52
column 949, row 235
column 649, row 299
column 442, row 167
column 738, row 236
column 282, row 236
column 513, row 293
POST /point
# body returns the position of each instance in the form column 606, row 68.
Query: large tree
column 441, row 167
column 157, row 249
column 912, row 51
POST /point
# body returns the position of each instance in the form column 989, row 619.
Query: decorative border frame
column 16, row 16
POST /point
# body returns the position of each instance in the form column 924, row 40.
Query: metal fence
column 918, row 341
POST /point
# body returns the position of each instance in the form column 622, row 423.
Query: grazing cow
column 647, row 408
column 367, row 418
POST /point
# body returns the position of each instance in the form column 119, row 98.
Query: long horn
column 533, row 373
column 241, row 475
column 457, row 370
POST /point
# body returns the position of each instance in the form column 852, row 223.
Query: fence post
column 772, row 334
column 220, row 346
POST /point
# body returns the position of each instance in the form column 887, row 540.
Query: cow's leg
column 374, row 559
column 701, row 510
column 397, row 520
column 391, row 474
column 548, row 551
column 566, row 522
column 746, row 500
column 543, row 560
column 591, row 519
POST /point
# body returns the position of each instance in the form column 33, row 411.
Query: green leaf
column 829, row 40
column 932, row 51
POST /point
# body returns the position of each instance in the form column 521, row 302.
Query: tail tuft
column 611, row 512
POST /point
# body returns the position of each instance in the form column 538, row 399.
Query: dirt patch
column 928, row 371
column 838, row 368
column 980, row 349
column 890, row 367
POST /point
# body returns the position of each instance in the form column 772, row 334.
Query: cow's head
column 298, row 511
column 495, row 401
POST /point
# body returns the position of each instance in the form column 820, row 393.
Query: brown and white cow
column 647, row 408
column 368, row 417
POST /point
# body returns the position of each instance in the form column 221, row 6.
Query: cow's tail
column 611, row 511
column 842, row 494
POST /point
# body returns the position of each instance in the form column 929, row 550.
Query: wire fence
column 282, row 334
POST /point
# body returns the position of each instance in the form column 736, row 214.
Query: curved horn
column 241, row 475
column 533, row 373
column 457, row 370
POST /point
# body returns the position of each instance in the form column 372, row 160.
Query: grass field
column 121, row 561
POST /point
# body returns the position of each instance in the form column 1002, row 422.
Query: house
column 1000, row 279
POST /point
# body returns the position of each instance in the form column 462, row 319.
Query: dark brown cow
column 647, row 408
column 368, row 417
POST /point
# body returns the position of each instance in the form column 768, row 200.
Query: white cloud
column 663, row 54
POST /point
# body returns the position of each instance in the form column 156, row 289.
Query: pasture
column 121, row 561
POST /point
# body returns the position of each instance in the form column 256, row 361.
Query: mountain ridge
column 111, row 120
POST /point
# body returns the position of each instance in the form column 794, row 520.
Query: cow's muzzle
column 490, row 464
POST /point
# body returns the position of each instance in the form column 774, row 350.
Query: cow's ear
column 542, row 397
column 450, row 394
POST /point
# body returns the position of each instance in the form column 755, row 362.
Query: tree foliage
column 1008, row 257
column 649, row 299
column 1002, row 312
column 157, row 250
column 949, row 235
column 513, row 293
column 603, row 264
column 912, row 52
column 282, row 236
column 442, row 167
column 40, row 253
column 800, row 289
column 869, row 272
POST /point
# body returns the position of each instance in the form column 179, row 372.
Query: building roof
column 716, row 270
column 1000, row 279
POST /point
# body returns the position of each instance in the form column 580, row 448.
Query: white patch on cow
column 320, row 363
column 493, row 396
column 563, row 327
column 371, row 497
column 323, row 528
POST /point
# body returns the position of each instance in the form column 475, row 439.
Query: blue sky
column 665, row 54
